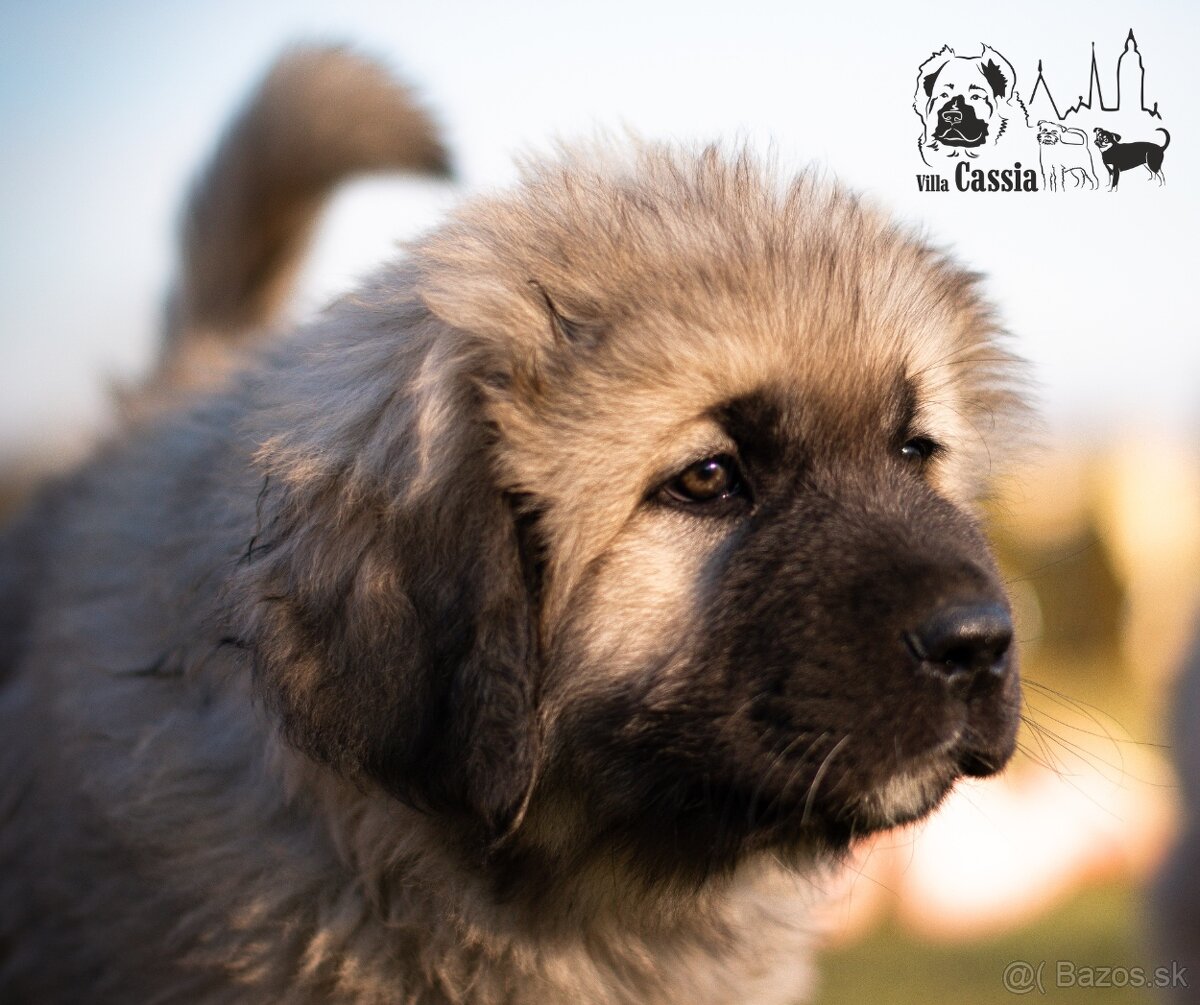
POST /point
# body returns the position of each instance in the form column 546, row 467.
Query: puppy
column 1063, row 151
column 964, row 103
column 1120, row 156
column 534, row 625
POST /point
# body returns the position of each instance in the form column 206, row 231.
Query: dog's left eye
column 708, row 481
column 919, row 449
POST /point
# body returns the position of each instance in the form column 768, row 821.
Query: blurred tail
column 321, row 115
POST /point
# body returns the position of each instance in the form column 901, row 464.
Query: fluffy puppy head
column 632, row 519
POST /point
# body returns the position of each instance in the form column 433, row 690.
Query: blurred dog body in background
column 1176, row 894
column 531, row 626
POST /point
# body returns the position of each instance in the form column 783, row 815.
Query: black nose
column 964, row 641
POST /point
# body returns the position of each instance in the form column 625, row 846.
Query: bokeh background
column 106, row 110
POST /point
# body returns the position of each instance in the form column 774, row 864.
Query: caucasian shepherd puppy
column 527, row 627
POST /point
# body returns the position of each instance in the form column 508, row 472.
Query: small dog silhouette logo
column 1065, row 154
column 1120, row 156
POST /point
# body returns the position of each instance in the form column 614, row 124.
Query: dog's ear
column 927, row 72
column 929, row 80
column 998, row 72
column 384, row 598
column 1115, row 137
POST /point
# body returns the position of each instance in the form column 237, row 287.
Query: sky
column 107, row 110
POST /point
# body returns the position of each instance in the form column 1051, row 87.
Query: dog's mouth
column 899, row 770
column 917, row 789
column 959, row 126
column 854, row 792
column 958, row 136
column 911, row 792
column 908, row 796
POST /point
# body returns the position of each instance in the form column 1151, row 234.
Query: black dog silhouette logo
column 1120, row 156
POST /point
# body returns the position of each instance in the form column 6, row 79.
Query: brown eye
column 919, row 449
column 706, row 481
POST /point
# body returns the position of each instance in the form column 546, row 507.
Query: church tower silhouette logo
column 1131, row 77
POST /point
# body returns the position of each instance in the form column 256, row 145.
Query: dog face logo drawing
column 965, row 104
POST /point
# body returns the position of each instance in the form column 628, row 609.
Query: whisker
column 1090, row 711
column 812, row 789
column 1071, row 556
column 776, row 760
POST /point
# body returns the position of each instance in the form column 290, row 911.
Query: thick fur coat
column 534, row 625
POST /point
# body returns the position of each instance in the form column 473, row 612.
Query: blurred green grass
column 1098, row 928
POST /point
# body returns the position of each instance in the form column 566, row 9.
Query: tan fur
column 162, row 838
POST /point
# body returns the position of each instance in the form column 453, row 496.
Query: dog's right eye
column 705, row 482
column 920, row 449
